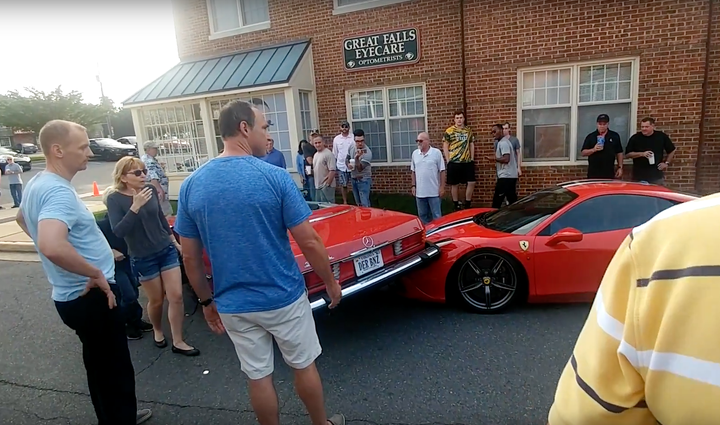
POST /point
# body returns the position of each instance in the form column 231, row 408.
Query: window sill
column 370, row 4
column 391, row 164
column 563, row 163
column 242, row 30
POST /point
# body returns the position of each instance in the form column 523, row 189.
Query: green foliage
column 30, row 112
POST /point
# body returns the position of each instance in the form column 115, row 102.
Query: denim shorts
column 151, row 266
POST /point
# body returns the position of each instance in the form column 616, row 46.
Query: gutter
column 703, row 107
column 462, row 57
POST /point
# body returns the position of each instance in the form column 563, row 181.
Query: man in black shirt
column 646, row 148
column 603, row 147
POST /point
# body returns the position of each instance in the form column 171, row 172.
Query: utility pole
column 105, row 105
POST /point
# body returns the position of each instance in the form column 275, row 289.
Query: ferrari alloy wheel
column 487, row 282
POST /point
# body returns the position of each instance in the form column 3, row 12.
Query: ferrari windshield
column 528, row 212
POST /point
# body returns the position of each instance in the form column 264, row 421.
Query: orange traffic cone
column 96, row 191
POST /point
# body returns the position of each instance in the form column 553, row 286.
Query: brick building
column 397, row 67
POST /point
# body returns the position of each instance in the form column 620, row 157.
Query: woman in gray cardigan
column 136, row 215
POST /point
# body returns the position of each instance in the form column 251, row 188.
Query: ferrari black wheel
column 488, row 282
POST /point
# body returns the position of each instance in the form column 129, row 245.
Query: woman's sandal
column 337, row 419
column 160, row 344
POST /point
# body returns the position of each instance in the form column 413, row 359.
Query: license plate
column 368, row 262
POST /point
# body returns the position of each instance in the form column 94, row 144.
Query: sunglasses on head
column 137, row 173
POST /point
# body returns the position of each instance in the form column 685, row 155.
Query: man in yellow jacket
column 650, row 350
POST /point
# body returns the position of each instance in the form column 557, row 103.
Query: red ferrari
column 551, row 246
column 368, row 247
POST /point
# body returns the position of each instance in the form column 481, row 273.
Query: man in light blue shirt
column 274, row 156
column 79, row 264
column 260, row 293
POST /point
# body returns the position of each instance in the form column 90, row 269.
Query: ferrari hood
column 460, row 224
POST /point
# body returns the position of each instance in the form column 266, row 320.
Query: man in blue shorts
column 80, row 266
column 260, row 293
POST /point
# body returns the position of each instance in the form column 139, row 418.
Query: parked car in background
column 368, row 248
column 128, row 140
column 26, row 148
column 20, row 159
column 110, row 149
column 551, row 246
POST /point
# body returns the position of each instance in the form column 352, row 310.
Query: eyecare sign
column 400, row 47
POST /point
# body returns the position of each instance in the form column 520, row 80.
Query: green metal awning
column 256, row 68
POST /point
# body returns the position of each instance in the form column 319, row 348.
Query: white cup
column 352, row 163
column 651, row 159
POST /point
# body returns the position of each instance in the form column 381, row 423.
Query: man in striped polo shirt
column 650, row 350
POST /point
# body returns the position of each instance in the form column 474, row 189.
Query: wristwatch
column 207, row 302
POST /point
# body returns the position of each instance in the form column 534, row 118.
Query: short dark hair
column 232, row 114
column 459, row 112
column 507, row 124
column 300, row 146
column 651, row 120
column 358, row 132
column 498, row 126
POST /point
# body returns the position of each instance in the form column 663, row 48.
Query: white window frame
column 575, row 103
column 387, row 117
column 290, row 166
column 243, row 29
column 364, row 5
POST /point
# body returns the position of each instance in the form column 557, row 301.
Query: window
column 560, row 106
column 181, row 135
column 5, row 141
column 391, row 118
column 276, row 115
column 527, row 213
column 229, row 17
column 346, row 6
column 306, row 115
column 608, row 213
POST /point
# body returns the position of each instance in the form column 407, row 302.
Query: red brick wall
column 501, row 36
column 709, row 170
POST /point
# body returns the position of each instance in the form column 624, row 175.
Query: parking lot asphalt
column 386, row 361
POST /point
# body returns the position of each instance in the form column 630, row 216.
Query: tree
column 31, row 112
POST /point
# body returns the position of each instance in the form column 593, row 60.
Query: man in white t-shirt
column 428, row 178
column 341, row 145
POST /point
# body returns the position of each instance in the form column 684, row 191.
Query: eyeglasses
column 344, row 126
column 137, row 173
column 419, row 141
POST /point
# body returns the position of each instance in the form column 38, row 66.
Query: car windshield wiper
column 481, row 219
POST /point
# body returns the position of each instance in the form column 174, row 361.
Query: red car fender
column 431, row 287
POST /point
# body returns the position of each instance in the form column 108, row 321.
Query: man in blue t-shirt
column 260, row 293
column 79, row 264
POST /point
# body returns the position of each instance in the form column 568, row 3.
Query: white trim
column 367, row 4
column 209, row 96
column 678, row 364
column 242, row 29
column 387, row 117
column 575, row 104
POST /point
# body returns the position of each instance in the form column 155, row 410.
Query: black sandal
column 160, row 344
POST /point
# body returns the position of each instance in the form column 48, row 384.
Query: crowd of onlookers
column 349, row 163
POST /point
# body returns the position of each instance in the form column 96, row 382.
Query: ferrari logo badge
column 524, row 245
column 486, row 280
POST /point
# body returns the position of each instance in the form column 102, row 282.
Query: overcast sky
column 46, row 43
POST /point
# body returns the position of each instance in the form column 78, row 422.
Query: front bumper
column 385, row 275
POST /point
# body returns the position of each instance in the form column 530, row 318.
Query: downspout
column 705, row 89
column 462, row 55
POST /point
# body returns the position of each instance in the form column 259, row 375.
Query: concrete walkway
column 15, row 245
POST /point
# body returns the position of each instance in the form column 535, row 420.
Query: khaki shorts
column 293, row 328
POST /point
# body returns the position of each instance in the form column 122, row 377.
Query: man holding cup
column 603, row 147
column 647, row 148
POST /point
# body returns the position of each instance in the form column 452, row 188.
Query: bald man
column 428, row 178
column 80, row 267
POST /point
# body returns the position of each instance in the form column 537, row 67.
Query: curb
column 17, row 247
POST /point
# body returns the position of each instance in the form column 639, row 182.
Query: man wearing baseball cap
column 603, row 148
